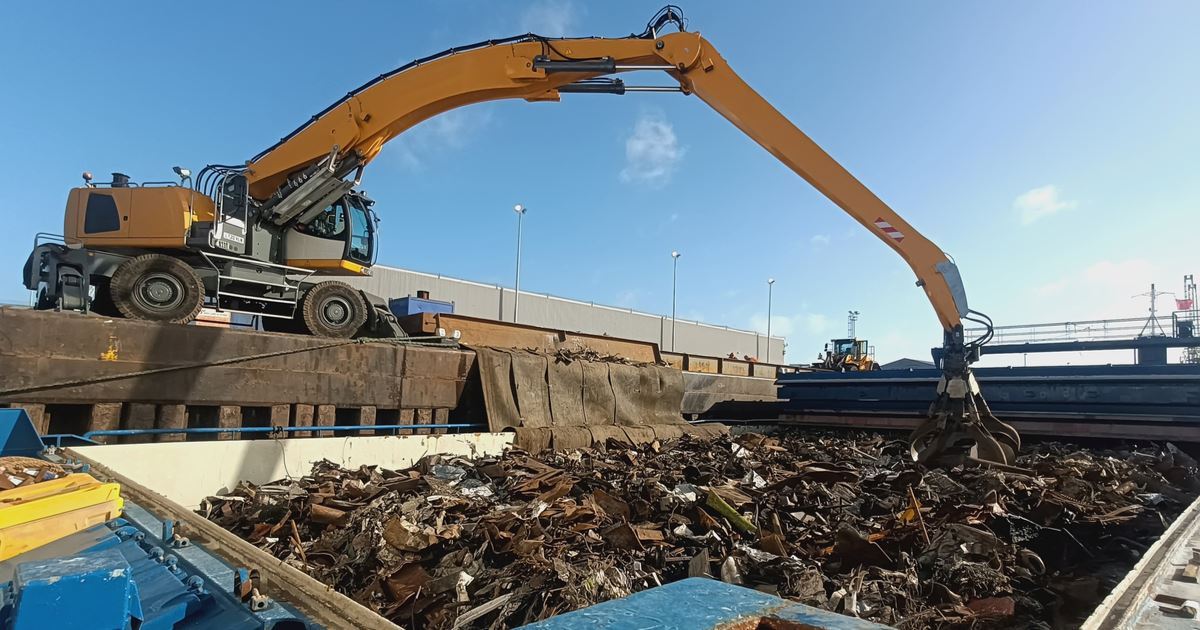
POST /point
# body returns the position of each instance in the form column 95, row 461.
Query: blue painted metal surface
column 696, row 604
column 98, row 587
column 121, row 575
column 216, row 578
column 405, row 306
column 1151, row 392
column 17, row 435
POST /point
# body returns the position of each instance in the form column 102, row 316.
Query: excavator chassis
column 76, row 278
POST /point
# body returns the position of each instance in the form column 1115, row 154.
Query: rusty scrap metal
column 845, row 522
column 16, row 470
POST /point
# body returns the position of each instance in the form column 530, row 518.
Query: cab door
column 321, row 242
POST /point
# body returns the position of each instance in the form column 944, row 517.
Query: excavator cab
column 340, row 238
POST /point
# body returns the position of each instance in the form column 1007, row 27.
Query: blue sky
column 1051, row 148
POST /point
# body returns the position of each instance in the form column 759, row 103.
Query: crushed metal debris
column 16, row 470
column 842, row 522
column 584, row 353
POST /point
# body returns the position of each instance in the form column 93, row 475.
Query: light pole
column 520, row 210
column 674, row 277
column 770, row 290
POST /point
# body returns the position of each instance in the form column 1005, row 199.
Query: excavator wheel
column 157, row 288
column 333, row 309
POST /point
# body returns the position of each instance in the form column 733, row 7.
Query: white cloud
column 816, row 323
column 651, row 152
column 781, row 325
column 1040, row 202
column 552, row 18
column 444, row 133
column 1123, row 274
column 1101, row 289
column 454, row 126
column 788, row 325
column 819, row 240
column 1051, row 288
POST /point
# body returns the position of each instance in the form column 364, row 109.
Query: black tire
column 103, row 304
column 333, row 309
column 157, row 288
column 875, row 367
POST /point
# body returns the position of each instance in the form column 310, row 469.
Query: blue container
column 405, row 306
column 698, row 604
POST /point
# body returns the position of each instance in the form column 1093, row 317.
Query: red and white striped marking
column 887, row 228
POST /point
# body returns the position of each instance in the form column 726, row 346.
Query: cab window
column 100, row 214
column 329, row 224
column 360, row 235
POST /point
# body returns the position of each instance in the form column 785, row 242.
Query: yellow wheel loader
column 847, row 355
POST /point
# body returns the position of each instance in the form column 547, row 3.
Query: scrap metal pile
column 16, row 470
column 842, row 522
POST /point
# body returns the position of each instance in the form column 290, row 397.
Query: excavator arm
column 295, row 173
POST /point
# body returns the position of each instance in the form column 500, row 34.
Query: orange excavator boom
column 344, row 138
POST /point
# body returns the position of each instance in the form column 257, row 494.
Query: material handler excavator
column 265, row 236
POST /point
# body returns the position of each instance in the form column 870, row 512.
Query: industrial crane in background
column 264, row 237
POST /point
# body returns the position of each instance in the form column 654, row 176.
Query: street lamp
column 520, row 210
column 770, row 290
column 674, row 276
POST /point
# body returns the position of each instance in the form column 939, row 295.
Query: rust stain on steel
column 63, row 358
column 485, row 332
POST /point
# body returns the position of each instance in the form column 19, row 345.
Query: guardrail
column 1087, row 330
column 274, row 431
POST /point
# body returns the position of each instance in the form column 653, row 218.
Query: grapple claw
column 961, row 426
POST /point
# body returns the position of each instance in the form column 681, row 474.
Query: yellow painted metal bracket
column 32, row 516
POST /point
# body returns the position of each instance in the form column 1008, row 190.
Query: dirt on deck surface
column 843, row 522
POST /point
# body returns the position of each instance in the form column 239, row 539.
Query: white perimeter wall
column 187, row 472
column 490, row 301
